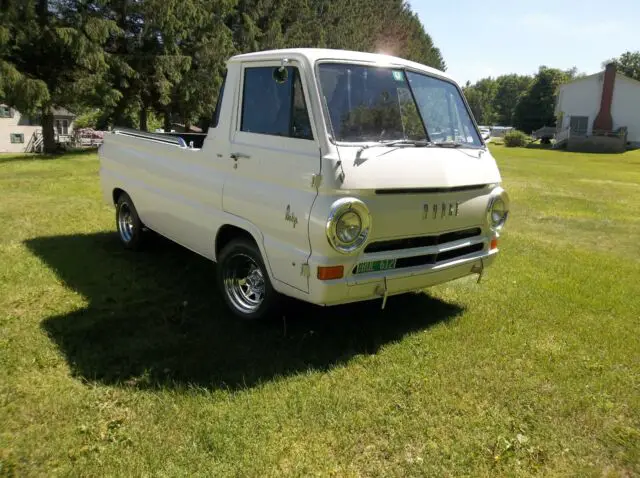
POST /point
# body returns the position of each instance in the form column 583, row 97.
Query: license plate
column 375, row 266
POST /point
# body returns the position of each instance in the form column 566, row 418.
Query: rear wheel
column 128, row 223
column 244, row 282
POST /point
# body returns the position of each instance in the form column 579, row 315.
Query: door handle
column 237, row 156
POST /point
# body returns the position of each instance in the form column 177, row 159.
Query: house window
column 5, row 112
column 62, row 127
column 274, row 108
column 17, row 138
column 579, row 124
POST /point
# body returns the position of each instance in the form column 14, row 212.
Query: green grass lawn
column 126, row 364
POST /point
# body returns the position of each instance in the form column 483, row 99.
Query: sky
column 480, row 38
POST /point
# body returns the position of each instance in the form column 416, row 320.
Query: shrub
column 87, row 119
column 515, row 138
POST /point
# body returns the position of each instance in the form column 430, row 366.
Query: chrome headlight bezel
column 343, row 206
column 498, row 194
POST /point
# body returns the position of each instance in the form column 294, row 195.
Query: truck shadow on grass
column 155, row 319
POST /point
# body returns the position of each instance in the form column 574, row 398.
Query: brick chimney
column 604, row 121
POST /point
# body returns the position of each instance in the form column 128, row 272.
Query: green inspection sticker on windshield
column 398, row 76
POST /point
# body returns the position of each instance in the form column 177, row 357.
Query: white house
column 600, row 104
column 20, row 133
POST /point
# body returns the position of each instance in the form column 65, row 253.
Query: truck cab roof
column 312, row 55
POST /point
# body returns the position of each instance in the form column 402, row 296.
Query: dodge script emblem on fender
column 440, row 210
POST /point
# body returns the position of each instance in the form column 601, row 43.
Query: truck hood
column 411, row 167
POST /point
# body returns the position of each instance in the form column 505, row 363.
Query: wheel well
column 116, row 194
column 228, row 233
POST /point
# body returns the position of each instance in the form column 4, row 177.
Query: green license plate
column 375, row 266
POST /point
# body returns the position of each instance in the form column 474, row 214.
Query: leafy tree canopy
column 535, row 108
column 628, row 64
column 136, row 59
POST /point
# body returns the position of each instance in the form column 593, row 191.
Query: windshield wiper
column 394, row 144
column 455, row 144
column 408, row 142
column 448, row 144
column 397, row 142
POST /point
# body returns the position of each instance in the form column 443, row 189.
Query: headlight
column 348, row 225
column 498, row 210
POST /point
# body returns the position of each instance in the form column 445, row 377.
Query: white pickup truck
column 328, row 176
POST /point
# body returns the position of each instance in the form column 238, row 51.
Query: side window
column 216, row 114
column 300, row 124
column 274, row 108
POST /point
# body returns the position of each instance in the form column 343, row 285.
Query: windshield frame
column 396, row 66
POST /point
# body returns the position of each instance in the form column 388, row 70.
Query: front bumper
column 392, row 282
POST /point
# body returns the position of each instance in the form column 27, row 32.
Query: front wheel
column 244, row 282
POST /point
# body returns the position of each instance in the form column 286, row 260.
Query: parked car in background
column 485, row 132
column 328, row 176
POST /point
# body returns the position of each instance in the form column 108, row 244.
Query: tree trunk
column 143, row 118
column 167, row 121
column 48, row 133
column 187, row 125
column 120, row 117
column 42, row 10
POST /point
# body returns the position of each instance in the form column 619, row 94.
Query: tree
column 536, row 107
column 208, row 43
column 628, row 64
column 177, row 49
column 493, row 101
column 52, row 55
column 510, row 89
column 387, row 26
column 133, row 60
column 481, row 97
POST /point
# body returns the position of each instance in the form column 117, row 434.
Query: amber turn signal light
column 331, row 272
column 494, row 244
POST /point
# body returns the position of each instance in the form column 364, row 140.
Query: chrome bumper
column 380, row 285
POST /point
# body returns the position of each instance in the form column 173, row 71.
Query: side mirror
column 281, row 74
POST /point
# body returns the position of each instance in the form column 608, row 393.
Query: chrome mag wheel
column 244, row 283
column 126, row 225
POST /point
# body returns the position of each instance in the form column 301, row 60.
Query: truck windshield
column 369, row 103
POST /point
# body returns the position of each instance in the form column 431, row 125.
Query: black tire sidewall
column 136, row 240
column 271, row 297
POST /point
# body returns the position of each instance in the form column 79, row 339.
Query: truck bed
column 184, row 140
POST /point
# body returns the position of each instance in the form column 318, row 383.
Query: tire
column 128, row 223
column 244, row 282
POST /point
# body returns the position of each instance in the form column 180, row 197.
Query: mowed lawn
column 115, row 363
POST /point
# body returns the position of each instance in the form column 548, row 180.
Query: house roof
column 595, row 75
column 60, row 111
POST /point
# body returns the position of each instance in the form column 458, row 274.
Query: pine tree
column 52, row 55
column 208, row 44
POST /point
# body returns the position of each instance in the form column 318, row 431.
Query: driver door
column 275, row 153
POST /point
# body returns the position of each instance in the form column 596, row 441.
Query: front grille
column 462, row 251
column 432, row 259
column 423, row 241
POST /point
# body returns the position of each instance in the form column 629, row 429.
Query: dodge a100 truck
column 328, row 176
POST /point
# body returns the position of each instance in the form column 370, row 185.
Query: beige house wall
column 9, row 126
